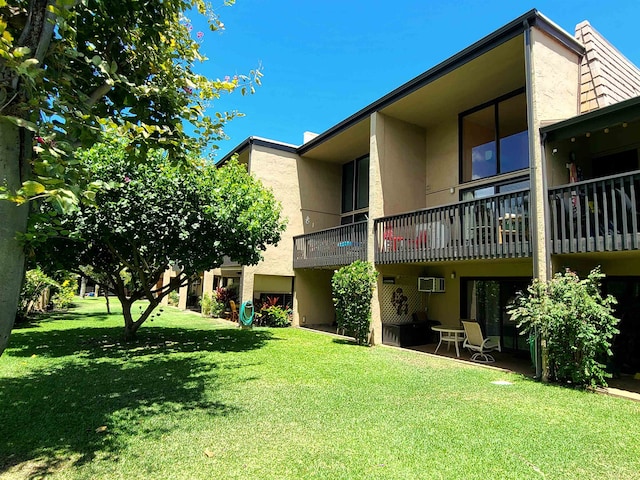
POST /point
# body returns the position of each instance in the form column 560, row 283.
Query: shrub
column 352, row 288
column 174, row 298
column 206, row 304
column 217, row 309
column 65, row 291
column 575, row 322
column 273, row 316
column 35, row 283
column 226, row 294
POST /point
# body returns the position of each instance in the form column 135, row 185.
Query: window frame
column 348, row 216
column 495, row 104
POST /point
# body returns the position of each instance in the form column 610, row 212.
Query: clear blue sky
column 323, row 60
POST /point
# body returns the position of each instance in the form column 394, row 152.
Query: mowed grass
column 194, row 398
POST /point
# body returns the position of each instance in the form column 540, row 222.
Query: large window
column 355, row 190
column 494, row 138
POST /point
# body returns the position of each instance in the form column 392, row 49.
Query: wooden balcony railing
column 491, row 227
column 596, row 215
column 331, row 248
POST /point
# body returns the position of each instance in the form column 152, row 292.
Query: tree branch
column 98, row 93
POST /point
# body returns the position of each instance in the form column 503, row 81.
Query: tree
column 153, row 216
column 70, row 67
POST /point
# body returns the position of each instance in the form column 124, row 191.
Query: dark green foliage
column 35, row 284
column 576, row 323
column 65, row 290
column 156, row 215
column 352, row 287
column 273, row 316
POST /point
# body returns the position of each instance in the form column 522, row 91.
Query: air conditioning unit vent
column 431, row 284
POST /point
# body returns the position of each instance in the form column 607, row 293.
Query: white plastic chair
column 475, row 342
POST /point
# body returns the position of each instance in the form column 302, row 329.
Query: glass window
column 480, row 156
column 487, row 191
column 347, row 186
column 512, row 130
column 355, row 190
column 362, row 187
column 495, row 139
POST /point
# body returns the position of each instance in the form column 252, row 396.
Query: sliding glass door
column 486, row 300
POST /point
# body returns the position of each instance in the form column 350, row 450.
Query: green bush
column 206, row 303
column 352, row 288
column 273, row 316
column 217, row 308
column 35, row 283
column 65, row 291
column 174, row 298
column 574, row 321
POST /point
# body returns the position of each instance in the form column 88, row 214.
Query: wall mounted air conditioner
column 431, row 284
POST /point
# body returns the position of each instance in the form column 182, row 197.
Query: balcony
column 596, row 215
column 491, row 227
column 331, row 248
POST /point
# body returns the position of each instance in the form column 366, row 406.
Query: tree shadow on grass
column 50, row 416
column 101, row 342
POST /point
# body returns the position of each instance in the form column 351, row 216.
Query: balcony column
column 207, row 282
column 166, row 279
column 540, row 248
column 376, row 210
column 245, row 290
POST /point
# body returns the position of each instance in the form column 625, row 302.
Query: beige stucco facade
column 413, row 140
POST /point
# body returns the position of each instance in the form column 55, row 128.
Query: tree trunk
column 15, row 148
column 106, row 297
column 83, row 286
column 131, row 327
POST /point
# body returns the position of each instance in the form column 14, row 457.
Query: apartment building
column 513, row 159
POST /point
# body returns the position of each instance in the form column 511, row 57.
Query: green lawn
column 197, row 399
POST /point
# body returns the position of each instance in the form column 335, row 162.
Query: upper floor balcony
column 596, row 215
column 493, row 227
column 333, row 247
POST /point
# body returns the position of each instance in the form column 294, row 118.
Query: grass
column 194, row 398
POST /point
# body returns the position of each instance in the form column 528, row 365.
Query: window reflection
column 495, row 139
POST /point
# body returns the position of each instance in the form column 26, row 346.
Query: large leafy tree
column 152, row 216
column 70, row 67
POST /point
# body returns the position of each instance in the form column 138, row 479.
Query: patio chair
column 234, row 311
column 475, row 342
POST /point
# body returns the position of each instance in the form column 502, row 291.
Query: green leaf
column 31, row 188
column 21, row 122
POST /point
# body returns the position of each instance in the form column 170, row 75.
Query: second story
column 441, row 165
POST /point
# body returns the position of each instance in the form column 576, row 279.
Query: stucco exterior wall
column 442, row 162
column 556, row 72
column 402, row 157
column 278, row 170
column 319, row 185
column 312, row 302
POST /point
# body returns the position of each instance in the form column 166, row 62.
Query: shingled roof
column 607, row 76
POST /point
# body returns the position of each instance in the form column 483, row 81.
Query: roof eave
column 498, row 37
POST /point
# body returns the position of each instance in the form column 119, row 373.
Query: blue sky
column 324, row 60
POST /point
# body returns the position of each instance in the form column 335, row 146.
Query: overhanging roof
column 625, row 111
column 500, row 36
column 507, row 32
column 261, row 142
